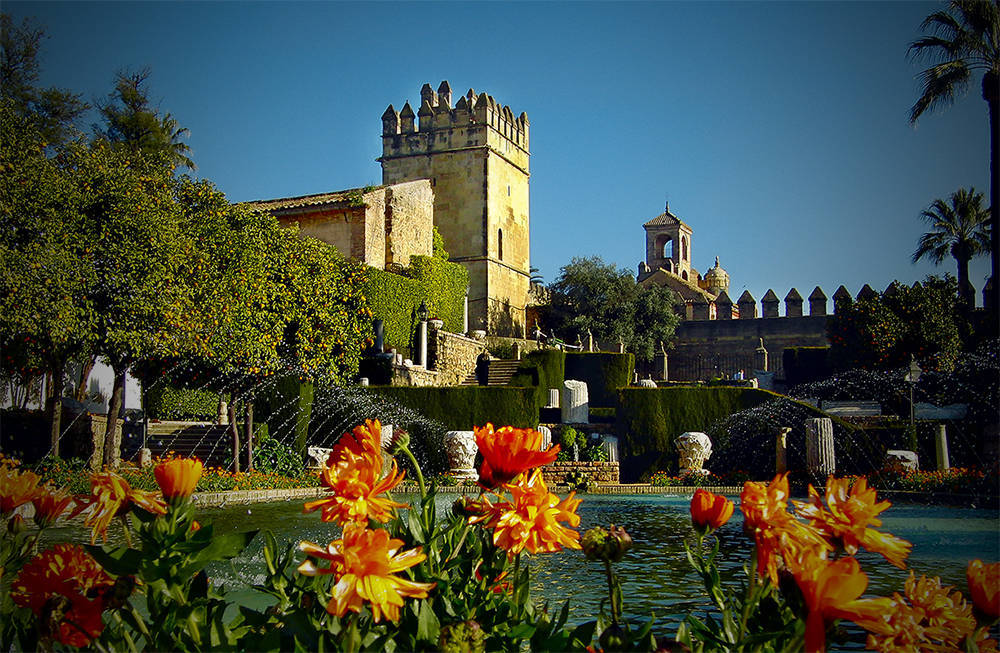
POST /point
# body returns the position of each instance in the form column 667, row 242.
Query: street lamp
column 912, row 376
column 422, row 312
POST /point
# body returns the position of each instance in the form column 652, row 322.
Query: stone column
column 781, row 449
column 422, row 335
column 553, row 398
column 461, row 449
column 660, row 363
column 575, row 402
column 465, row 314
column 941, row 447
column 610, row 446
column 590, row 340
column 820, row 457
column 546, row 437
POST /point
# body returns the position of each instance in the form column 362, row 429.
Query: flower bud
column 610, row 545
column 16, row 525
column 613, row 638
column 462, row 637
column 400, row 440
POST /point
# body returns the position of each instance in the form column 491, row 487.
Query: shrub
column 286, row 406
column 164, row 401
column 461, row 408
column 542, row 369
column 604, row 374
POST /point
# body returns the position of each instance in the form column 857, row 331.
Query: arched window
column 665, row 247
column 684, row 248
column 684, row 275
column 500, row 244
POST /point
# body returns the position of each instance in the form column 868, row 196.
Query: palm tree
column 959, row 231
column 963, row 39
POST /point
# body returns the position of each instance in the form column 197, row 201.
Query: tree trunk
column 86, row 366
column 54, row 407
column 112, row 436
column 234, row 432
column 991, row 93
column 248, row 430
column 966, row 299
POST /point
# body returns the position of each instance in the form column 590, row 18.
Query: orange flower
column 49, row 505
column 509, row 451
column 831, row 591
column 709, row 511
column 984, row 586
column 111, row 496
column 67, row 571
column 847, row 517
column 353, row 472
column 777, row 534
column 530, row 521
column 178, row 477
column 16, row 489
column 365, row 563
column 929, row 617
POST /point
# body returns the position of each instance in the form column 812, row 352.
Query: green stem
column 615, row 608
column 128, row 535
column 751, row 591
column 416, row 467
column 461, row 541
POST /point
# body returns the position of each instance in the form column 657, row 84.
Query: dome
column 716, row 279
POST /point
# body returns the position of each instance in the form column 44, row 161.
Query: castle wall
column 346, row 228
column 409, row 220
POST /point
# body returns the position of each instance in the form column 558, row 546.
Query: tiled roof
column 664, row 218
column 306, row 200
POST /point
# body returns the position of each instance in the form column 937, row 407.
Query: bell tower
column 668, row 244
column 475, row 154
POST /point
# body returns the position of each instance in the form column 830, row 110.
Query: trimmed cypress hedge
column 462, row 407
column 648, row 420
column 543, row 370
column 286, row 407
column 395, row 297
column 604, row 373
column 164, row 401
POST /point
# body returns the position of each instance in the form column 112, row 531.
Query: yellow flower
column 530, row 521
column 846, row 519
column 364, row 563
column 16, row 489
column 353, row 472
column 111, row 496
column 178, row 477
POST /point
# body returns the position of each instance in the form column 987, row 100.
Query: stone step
column 501, row 372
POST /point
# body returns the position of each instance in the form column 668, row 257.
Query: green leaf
column 123, row 561
column 428, row 625
column 583, row 634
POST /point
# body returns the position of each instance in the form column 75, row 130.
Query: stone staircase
column 501, row 372
column 203, row 440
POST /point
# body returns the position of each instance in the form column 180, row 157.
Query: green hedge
column 286, row 407
column 461, row 408
column 648, row 420
column 164, row 401
column 806, row 364
column 394, row 298
column 604, row 374
column 542, row 369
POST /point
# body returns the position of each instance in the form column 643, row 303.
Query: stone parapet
column 602, row 473
column 452, row 356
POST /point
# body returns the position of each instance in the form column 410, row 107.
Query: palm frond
column 941, row 86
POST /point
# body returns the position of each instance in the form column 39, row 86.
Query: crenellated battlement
column 746, row 305
column 475, row 121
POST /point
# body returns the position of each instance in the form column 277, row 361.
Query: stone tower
column 668, row 244
column 475, row 154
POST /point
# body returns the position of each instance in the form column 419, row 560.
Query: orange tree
column 45, row 315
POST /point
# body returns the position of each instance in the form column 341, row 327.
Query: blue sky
column 778, row 131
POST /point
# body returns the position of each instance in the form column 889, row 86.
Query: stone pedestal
column 693, row 449
column 575, row 403
column 610, row 446
column 901, row 460
column 461, row 449
column 546, row 437
column 781, row 450
column 941, row 448
column 222, row 417
column 820, row 457
column 553, row 398
column 647, row 383
column 422, row 335
column 145, row 457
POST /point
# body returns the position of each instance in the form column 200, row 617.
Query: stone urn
column 461, row 449
column 436, row 324
column 479, row 334
column 694, row 449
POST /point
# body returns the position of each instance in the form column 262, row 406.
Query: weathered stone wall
column 600, row 472
column 452, row 356
column 413, row 376
column 409, row 221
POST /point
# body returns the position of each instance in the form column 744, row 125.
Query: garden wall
column 604, row 373
column 558, row 473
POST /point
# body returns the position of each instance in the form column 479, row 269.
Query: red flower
column 509, row 451
column 709, row 511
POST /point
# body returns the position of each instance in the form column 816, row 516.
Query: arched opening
column 684, row 248
column 684, row 275
column 500, row 244
column 664, row 247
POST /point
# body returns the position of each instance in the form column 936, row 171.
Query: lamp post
column 912, row 376
column 422, row 314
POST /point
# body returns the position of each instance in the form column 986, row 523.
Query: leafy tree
column 961, row 41
column 604, row 299
column 52, row 110
column 45, row 315
column 439, row 250
column 958, row 229
column 131, row 121
column 131, row 226
column 882, row 332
